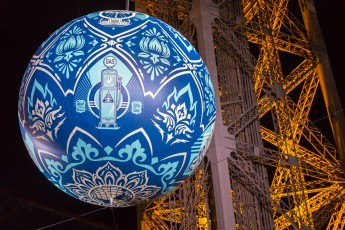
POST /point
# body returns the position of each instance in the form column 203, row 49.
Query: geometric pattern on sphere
column 116, row 108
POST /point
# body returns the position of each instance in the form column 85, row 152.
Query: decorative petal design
column 68, row 51
column 155, row 52
column 110, row 183
column 175, row 123
column 136, row 178
column 210, row 103
column 44, row 114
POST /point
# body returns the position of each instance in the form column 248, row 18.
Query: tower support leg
column 202, row 15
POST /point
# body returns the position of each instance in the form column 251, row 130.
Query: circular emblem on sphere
column 110, row 61
column 116, row 108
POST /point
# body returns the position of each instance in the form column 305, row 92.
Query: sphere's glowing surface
column 116, row 108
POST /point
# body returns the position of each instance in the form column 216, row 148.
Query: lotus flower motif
column 68, row 51
column 110, row 184
column 155, row 53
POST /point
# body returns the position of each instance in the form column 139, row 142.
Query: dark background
column 27, row 199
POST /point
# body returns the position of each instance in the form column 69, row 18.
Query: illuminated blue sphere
column 116, row 108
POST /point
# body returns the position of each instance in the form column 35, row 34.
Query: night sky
column 27, row 199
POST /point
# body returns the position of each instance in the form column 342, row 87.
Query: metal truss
column 284, row 172
column 183, row 208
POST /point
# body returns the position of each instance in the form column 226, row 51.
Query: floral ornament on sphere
column 210, row 103
column 155, row 53
column 110, row 183
column 45, row 115
column 178, row 119
column 69, row 50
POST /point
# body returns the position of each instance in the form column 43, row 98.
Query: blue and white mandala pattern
column 116, row 108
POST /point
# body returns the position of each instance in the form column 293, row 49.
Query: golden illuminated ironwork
column 271, row 64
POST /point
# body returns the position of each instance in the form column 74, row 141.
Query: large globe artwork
column 116, row 108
